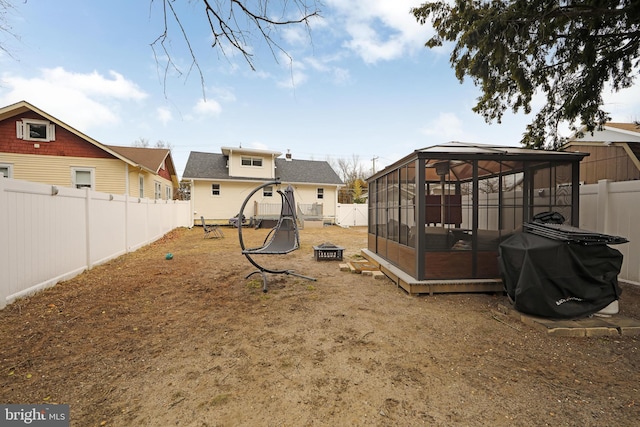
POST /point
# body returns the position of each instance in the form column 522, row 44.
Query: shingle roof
column 214, row 166
column 630, row 127
column 205, row 166
column 311, row 171
column 150, row 158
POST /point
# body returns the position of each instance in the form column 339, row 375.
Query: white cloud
column 623, row 106
column 341, row 75
column 446, row 127
column 295, row 35
column 297, row 73
column 258, row 145
column 94, row 83
column 208, row 108
column 164, row 115
column 81, row 100
column 224, row 94
column 380, row 29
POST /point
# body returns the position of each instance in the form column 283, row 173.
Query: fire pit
column 328, row 252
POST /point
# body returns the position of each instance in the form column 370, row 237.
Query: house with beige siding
column 220, row 182
column 614, row 152
column 35, row 146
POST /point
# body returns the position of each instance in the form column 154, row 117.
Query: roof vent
column 288, row 155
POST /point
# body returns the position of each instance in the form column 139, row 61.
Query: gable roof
column 211, row 166
column 23, row 106
column 150, row 159
column 629, row 127
column 610, row 132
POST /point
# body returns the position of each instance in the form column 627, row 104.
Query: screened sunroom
column 438, row 215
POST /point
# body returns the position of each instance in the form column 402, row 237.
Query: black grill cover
column 556, row 279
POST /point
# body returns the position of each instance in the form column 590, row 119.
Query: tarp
column 558, row 279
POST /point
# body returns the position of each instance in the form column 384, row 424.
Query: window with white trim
column 215, row 189
column 35, row 130
column 83, row 178
column 251, row 161
column 141, row 186
column 267, row 191
column 320, row 193
column 6, row 170
column 157, row 194
column 168, row 192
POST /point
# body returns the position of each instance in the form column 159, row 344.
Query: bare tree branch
column 6, row 7
column 234, row 23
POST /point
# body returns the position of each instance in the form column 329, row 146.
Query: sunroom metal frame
column 458, row 173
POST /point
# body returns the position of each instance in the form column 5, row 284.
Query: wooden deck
column 413, row 286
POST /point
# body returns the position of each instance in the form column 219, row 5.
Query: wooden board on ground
column 360, row 266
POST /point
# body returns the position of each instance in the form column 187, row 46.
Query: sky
column 357, row 83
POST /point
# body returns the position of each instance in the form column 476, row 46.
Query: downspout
column 273, row 169
column 335, row 205
column 127, row 194
column 192, row 204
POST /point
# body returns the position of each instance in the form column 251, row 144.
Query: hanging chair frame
column 281, row 239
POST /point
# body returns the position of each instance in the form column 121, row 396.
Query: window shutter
column 19, row 129
column 52, row 132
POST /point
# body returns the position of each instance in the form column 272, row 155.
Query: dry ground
column 145, row 341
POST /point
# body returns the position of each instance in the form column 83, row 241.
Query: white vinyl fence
column 607, row 207
column 49, row 234
column 352, row 215
column 614, row 208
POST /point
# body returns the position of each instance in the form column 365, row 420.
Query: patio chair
column 211, row 230
column 236, row 219
column 281, row 239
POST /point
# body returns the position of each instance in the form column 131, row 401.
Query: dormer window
column 35, row 130
column 251, row 161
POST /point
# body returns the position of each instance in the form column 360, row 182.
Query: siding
column 606, row 162
column 65, row 144
column 233, row 194
column 149, row 184
column 265, row 171
column 55, row 170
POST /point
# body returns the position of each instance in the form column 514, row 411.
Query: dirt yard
column 146, row 341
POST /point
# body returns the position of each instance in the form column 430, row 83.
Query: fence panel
column 352, row 215
column 612, row 208
column 106, row 213
column 49, row 233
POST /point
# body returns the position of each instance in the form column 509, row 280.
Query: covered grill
column 558, row 271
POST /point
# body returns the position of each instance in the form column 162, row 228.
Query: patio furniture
column 234, row 221
column 211, row 230
column 282, row 239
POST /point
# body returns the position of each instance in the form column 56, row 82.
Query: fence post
column 603, row 205
column 4, row 246
column 126, row 222
column 87, row 207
